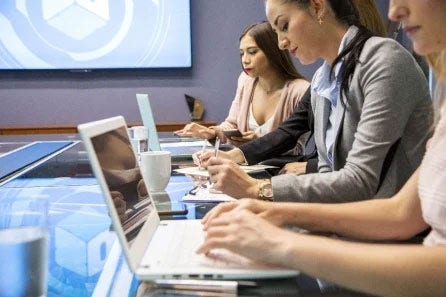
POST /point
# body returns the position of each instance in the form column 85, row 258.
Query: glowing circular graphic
column 85, row 34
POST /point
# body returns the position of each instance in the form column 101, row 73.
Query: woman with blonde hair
column 252, row 228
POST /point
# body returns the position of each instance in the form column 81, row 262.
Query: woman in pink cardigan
column 268, row 89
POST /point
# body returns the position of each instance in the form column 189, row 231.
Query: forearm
column 384, row 270
column 270, row 145
column 236, row 155
column 323, row 187
column 368, row 220
column 378, row 219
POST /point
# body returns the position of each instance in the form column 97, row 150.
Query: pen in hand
column 217, row 146
column 203, row 149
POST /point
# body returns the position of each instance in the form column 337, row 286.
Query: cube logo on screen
column 94, row 34
column 61, row 14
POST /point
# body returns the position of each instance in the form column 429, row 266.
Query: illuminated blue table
column 85, row 258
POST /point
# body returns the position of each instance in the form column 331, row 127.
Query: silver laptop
column 181, row 149
column 154, row 249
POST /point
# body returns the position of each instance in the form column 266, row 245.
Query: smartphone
column 232, row 133
column 171, row 208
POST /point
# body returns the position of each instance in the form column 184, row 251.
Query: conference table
column 85, row 258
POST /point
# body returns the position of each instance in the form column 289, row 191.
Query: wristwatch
column 265, row 190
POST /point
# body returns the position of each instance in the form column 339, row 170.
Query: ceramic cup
column 156, row 169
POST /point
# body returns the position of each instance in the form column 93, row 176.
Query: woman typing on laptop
column 249, row 227
column 269, row 88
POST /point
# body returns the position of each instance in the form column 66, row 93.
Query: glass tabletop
column 81, row 240
column 85, row 258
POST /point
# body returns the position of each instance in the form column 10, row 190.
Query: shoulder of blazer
column 383, row 49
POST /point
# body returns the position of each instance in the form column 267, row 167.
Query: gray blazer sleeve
column 388, row 100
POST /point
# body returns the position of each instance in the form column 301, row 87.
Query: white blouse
column 260, row 130
column 432, row 184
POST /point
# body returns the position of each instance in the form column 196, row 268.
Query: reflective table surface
column 85, row 258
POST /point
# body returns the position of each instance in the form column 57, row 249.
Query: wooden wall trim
column 71, row 129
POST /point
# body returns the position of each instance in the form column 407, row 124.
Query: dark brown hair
column 267, row 41
column 346, row 13
column 370, row 17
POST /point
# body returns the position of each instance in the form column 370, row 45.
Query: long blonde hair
column 438, row 63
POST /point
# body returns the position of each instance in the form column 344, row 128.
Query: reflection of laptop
column 160, row 249
column 181, row 149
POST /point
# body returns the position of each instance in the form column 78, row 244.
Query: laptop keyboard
column 176, row 244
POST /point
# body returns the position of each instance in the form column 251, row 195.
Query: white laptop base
column 155, row 249
column 176, row 258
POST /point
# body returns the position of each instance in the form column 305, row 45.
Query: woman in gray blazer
column 380, row 269
column 372, row 114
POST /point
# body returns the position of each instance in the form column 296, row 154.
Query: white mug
column 156, row 169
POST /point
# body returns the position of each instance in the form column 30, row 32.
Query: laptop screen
column 149, row 122
column 124, row 180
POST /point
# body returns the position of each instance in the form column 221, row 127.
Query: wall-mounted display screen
column 94, row 34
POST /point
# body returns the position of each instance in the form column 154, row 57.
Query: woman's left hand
column 247, row 136
column 242, row 232
column 295, row 167
column 265, row 209
column 196, row 130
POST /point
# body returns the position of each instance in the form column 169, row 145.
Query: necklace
column 269, row 91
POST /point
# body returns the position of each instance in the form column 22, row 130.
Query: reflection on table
column 85, row 257
column 81, row 241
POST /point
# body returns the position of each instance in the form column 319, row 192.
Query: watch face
column 267, row 190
